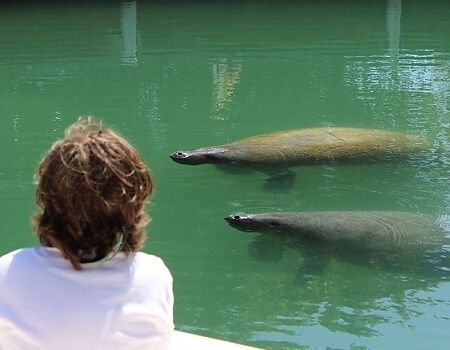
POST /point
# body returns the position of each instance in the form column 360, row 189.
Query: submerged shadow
column 314, row 255
column 346, row 291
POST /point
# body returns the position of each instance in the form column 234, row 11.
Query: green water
column 182, row 75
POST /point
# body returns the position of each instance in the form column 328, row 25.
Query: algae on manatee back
column 308, row 146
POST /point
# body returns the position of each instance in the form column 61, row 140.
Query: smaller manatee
column 378, row 238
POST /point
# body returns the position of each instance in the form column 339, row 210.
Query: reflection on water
column 129, row 32
column 412, row 92
column 225, row 77
column 418, row 74
column 393, row 20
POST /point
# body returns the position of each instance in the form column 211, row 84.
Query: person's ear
column 140, row 208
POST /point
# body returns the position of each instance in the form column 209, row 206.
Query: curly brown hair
column 91, row 187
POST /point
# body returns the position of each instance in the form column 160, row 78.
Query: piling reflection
column 128, row 22
column 393, row 21
column 411, row 74
column 413, row 94
column 225, row 77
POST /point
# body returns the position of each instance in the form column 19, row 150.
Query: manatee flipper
column 266, row 248
column 282, row 180
column 313, row 265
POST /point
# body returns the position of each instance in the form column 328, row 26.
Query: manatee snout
column 207, row 155
column 234, row 218
column 241, row 222
column 179, row 156
column 237, row 217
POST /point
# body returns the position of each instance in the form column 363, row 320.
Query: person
column 88, row 285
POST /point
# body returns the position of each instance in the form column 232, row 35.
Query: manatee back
column 384, row 230
column 372, row 230
column 319, row 145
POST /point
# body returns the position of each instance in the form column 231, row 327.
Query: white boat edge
column 184, row 340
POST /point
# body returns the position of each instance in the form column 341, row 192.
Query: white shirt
column 123, row 303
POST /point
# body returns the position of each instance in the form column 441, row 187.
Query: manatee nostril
column 236, row 217
column 179, row 154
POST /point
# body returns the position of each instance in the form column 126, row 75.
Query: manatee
column 376, row 238
column 308, row 146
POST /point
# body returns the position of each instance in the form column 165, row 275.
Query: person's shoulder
column 31, row 256
column 151, row 262
column 149, row 258
column 11, row 255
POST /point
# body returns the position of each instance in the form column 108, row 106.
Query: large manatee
column 308, row 146
column 374, row 237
